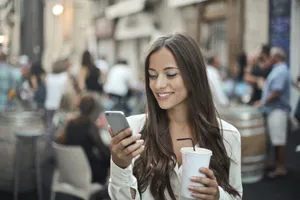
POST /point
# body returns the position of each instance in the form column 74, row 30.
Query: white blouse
column 122, row 180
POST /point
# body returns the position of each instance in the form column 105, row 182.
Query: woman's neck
column 178, row 115
column 178, row 119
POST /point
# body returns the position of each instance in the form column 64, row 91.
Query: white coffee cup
column 192, row 161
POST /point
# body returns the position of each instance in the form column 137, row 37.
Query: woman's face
column 165, row 80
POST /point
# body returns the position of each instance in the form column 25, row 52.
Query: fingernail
column 138, row 136
column 193, row 178
column 140, row 142
column 143, row 147
column 191, row 187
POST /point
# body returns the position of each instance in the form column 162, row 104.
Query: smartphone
column 117, row 121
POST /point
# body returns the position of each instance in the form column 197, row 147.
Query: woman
column 37, row 83
column 83, row 132
column 180, row 105
column 90, row 75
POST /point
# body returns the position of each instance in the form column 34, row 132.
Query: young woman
column 90, row 75
column 180, row 105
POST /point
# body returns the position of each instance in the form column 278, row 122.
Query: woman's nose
column 161, row 82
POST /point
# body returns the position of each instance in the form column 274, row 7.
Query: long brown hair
column 86, row 107
column 155, row 165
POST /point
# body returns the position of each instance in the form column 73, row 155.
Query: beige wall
column 15, row 34
column 256, row 24
column 66, row 35
column 171, row 19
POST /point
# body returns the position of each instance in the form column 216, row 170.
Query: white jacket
column 121, row 180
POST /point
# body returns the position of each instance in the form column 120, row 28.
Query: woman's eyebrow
column 167, row 68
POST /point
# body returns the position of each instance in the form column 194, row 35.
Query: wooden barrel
column 250, row 123
column 12, row 122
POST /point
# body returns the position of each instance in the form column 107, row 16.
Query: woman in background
column 37, row 82
column 90, row 75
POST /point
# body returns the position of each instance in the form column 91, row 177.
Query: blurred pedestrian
column 90, row 76
column 215, row 81
column 103, row 66
column 10, row 78
column 37, row 82
column 275, row 104
column 55, row 83
column 258, row 70
column 82, row 131
column 241, row 61
column 119, row 83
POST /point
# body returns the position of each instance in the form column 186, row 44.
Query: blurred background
column 53, row 52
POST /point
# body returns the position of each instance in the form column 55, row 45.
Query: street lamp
column 57, row 9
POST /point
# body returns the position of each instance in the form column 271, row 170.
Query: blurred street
column 63, row 63
column 286, row 188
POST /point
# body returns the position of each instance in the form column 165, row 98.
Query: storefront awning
column 178, row 3
column 135, row 26
column 124, row 8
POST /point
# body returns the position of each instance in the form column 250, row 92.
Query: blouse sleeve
column 122, row 182
column 235, row 178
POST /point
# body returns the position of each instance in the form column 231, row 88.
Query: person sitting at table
column 82, row 131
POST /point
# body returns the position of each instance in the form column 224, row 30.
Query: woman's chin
column 165, row 106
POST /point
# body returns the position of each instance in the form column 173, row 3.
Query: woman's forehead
column 162, row 59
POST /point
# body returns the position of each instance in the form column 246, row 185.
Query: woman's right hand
column 124, row 147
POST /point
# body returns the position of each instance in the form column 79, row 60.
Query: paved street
column 286, row 188
column 282, row 189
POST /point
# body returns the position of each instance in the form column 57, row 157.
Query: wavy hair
column 155, row 165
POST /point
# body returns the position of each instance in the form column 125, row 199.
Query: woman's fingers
column 203, row 190
column 110, row 131
column 208, row 172
column 138, row 151
column 205, row 181
column 209, row 190
column 124, row 143
column 202, row 196
column 132, row 148
column 116, row 138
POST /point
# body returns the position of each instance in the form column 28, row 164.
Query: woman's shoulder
column 231, row 139
column 136, row 122
column 230, row 133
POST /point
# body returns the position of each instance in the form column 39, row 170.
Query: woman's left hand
column 210, row 190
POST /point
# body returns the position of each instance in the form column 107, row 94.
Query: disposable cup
column 192, row 161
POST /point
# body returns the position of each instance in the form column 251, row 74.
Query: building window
column 217, row 39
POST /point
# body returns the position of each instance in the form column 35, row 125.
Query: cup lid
column 198, row 150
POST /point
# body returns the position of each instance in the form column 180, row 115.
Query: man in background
column 215, row 81
column 275, row 103
column 119, row 83
column 9, row 80
column 258, row 70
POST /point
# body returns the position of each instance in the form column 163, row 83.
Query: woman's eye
column 151, row 76
column 171, row 75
